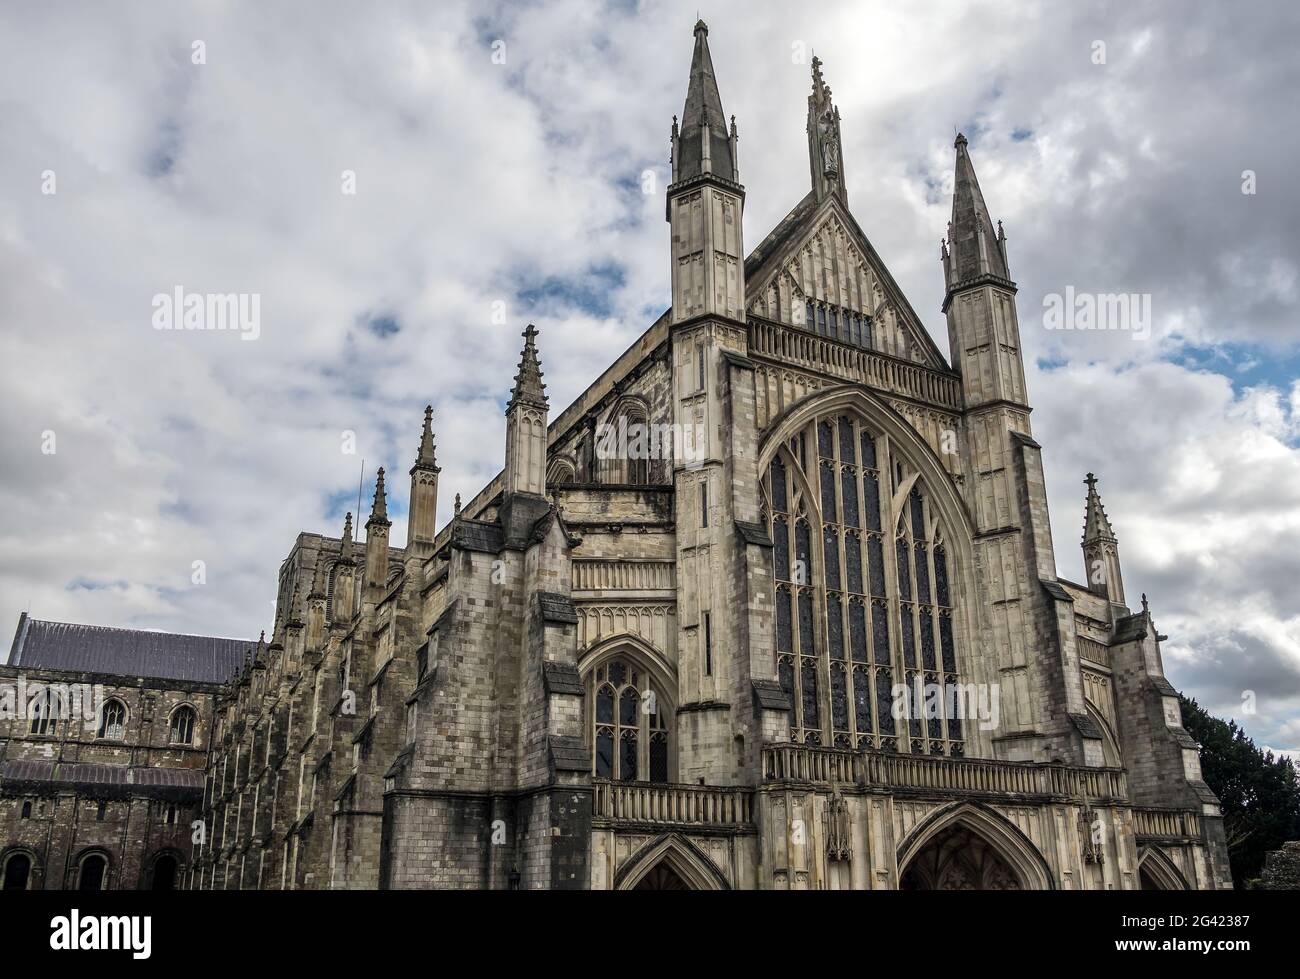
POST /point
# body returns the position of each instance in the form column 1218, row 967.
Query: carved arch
column 1109, row 743
column 35, row 866
column 688, row 861
column 1155, row 865
column 994, row 829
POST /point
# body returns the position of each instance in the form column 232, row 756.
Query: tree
column 1260, row 793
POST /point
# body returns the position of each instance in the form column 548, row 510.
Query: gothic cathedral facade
column 817, row 641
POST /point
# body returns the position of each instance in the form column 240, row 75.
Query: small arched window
column 93, row 871
column 27, row 810
column 17, row 871
column 44, row 719
column 182, row 726
column 112, row 720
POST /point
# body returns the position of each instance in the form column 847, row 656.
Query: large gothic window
column 628, row 726
column 863, row 597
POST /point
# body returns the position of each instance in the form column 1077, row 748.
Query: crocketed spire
column 425, row 457
column 529, row 388
column 1096, row 524
column 379, row 511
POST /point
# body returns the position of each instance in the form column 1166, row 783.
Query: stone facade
column 92, row 798
column 669, row 646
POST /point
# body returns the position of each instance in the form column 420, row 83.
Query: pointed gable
column 819, row 254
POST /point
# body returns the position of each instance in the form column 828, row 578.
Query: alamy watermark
column 643, row 441
column 25, row 701
column 239, row 312
column 1130, row 312
column 964, row 701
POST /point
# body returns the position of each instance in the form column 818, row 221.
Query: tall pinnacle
column 379, row 512
column 975, row 247
column 345, row 544
column 1096, row 523
column 824, row 156
column 529, row 388
column 703, row 110
column 425, row 457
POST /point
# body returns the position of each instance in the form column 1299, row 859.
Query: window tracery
column 859, row 614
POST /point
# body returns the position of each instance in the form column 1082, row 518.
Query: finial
column 1091, row 480
column 262, row 637
column 701, row 26
column 1145, row 608
column 457, row 505
column 960, row 141
column 379, row 512
column 733, row 127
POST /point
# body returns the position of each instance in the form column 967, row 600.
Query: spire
column 1096, row 524
column 379, row 510
column 1101, row 550
column 703, row 144
column 319, row 582
column 425, row 457
column 976, row 248
column 529, row 388
column 824, row 156
column 345, row 545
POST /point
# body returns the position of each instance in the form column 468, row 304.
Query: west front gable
column 819, row 254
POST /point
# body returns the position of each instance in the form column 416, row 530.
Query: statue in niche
column 830, row 142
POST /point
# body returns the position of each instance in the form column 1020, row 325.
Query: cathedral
column 772, row 605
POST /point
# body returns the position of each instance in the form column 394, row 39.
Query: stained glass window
column 626, row 724
column 840, row 654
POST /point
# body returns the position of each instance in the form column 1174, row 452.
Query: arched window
column 17, row 871
column 112, row 720
column 839, row 657
column 164, row 873
column 627, row 724
column 27, row 809
column 92, row 873
column 627, row 445
column 182, row 726
column 44, row 717
column 560, row 473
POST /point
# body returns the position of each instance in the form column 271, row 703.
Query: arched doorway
column 164, row 873
column 17, row 872
column 959, row 859
column 94, row 869
column 971, row 846
column 1156, row 872
column 662, row 878
column 670, row 863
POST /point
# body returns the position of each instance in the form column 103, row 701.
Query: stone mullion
column 888, row 525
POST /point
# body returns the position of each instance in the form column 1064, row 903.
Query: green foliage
column 1260, row 793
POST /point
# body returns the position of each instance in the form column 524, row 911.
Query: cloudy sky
column 498, row 153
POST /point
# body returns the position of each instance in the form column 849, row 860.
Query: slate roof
column 34, row 770
column 125, row 652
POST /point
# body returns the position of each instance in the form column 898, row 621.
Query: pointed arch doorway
column 958, row 859
column 970, row 847
column 670, row 863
